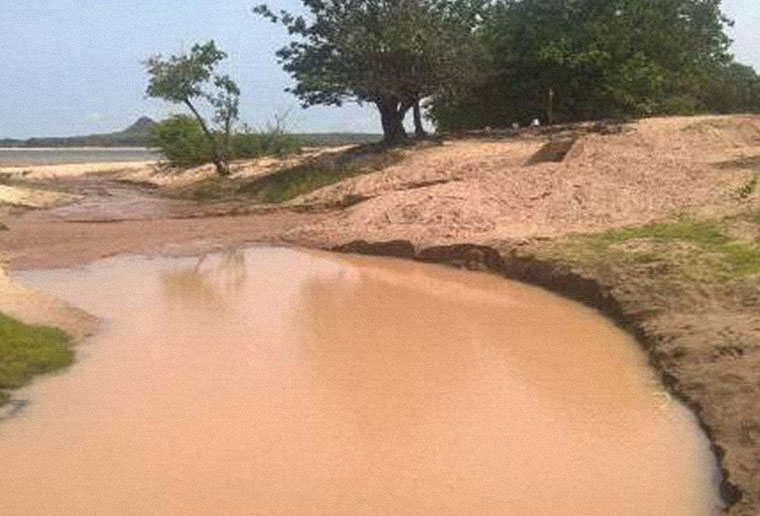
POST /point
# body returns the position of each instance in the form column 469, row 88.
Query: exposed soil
column 40, row 309
column 481, row 191
column 37, row 240
column 702, row 330
column 32, row 197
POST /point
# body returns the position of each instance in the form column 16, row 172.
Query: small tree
column 391, row 53
column 186, row 78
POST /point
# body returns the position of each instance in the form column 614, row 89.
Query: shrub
column 182, row 142
column 318, row 172
column 180, row 139
column 249, row 145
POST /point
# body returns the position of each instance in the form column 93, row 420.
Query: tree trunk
column 219, row 159
column 550, row 111
column 419, row 131
column 222, row 167
column 392, row 119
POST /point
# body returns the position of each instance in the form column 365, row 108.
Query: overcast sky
column 72, row 67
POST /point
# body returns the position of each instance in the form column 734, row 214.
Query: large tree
column 732, row 89
column 187, row 78
column 599, row 57
column 391, row 53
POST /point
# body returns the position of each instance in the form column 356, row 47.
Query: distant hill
column 140, row 128
column 136, row 135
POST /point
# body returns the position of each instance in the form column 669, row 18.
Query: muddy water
column 279, row 382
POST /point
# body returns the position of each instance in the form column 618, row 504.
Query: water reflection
column 212, row 283
column 278, row 382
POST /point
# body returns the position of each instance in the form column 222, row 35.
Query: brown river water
column 273, row 382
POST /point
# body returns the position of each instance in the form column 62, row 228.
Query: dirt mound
column 33, row 198
column 75, row 170
column 242, row 169
column 474, row 190
column 723, row 132
column 472, row 200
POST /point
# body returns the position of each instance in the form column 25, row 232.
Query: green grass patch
column 288, row 183
column 26, row 351
column 700, row 233
column 743, row 259
column 319, row 172
column 698, row 251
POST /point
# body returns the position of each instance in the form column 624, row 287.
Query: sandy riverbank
column 688, row 287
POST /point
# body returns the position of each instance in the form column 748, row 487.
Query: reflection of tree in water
column 389, row 348
column 346, row 309
column 212, row 283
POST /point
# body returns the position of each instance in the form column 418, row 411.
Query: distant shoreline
column 46, row 156
column 87, row 148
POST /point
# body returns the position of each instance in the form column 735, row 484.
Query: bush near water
column 181, row 141
column 26, row 351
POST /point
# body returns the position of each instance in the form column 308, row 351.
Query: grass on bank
column 700, row 251
column 182, row 142
column 26, row 351
column 288, row 183
column 320, row 172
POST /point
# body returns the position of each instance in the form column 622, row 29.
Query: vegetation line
column 26, row 351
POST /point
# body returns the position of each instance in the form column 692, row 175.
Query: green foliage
column 693, row 250
column 391, row 53
column 734, row 88
column 182, row 79
column 180, row 139
column 702, row 233
column 336, row 139
column 250, row 145
column 322, row 171
column 601, row 59
column 26, row 351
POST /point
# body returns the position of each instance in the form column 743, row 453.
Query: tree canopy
column 186, row 78
column 596, row 58
column 391, row 53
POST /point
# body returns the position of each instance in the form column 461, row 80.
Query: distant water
column 58, row 156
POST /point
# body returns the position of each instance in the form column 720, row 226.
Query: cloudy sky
column 74, row 66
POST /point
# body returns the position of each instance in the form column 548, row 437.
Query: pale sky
column 70, row 67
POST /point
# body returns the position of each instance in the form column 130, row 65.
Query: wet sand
column 281, row 382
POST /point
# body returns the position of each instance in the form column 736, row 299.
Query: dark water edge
column 10, row 157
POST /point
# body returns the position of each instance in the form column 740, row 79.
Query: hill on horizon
column 138, row 135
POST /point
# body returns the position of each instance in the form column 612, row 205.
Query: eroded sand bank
column 273, row 381
column 704, row 338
